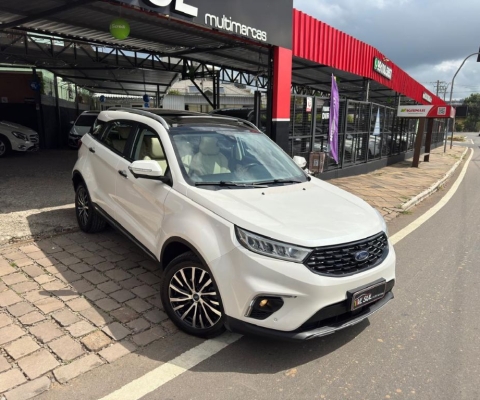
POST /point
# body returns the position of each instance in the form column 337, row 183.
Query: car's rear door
column 105, row 155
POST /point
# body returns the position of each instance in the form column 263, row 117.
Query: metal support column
column 366, row 89
column 257, row 101
column 214, row 80
column 418, row 143
column 428, row 140
column 217, row 77
column 270, row 94
column 157, row 96
column 77, row 108
column 57, row 111
column 38, row 110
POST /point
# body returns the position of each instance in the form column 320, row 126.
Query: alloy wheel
column 3, row 148
column 82, row 206
column 194, row 299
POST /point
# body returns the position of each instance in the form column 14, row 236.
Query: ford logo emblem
column 362, row 255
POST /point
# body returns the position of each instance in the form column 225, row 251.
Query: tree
column 473, row 118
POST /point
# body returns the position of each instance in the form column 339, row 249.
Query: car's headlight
column 20, row 136
column 382, row 220
column 271, row 248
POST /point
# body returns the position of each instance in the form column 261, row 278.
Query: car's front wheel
column 5, row 146
column 88, row 219
column 191, row 298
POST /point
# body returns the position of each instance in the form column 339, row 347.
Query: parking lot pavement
column 73, row 302
column 36, row 194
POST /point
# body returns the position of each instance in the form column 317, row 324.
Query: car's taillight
column 79, row 143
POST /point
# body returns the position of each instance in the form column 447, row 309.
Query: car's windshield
column 86, row 120
column 224, row 154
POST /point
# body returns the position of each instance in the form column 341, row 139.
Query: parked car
column 80, row 127
column 246, row 239
column 16, row 137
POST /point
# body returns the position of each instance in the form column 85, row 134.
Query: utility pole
column 441, row 87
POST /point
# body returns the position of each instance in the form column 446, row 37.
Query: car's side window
column 116, row 135
column 97, row 128
column 149, row 147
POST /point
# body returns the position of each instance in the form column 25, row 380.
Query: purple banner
column 334, row 110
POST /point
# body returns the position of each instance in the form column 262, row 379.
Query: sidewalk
column 390, row 188
column 73, row 302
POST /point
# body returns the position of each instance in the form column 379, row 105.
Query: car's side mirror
column 147, row 169
column 300, row 161
column 72, row 122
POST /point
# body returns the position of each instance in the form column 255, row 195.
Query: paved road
column 423, row 346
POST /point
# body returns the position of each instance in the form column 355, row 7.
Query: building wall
column 15, row 87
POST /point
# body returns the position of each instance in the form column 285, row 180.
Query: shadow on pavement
column 36, row 180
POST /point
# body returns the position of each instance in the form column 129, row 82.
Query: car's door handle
column 92, row 149
column 123, row 173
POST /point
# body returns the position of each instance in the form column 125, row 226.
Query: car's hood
column 17, row 127
column 310, row 214
column 80, row 130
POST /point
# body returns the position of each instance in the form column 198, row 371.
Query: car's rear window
column 86, row 120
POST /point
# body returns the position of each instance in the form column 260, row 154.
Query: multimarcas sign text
column 214, row 21
column 235, row 27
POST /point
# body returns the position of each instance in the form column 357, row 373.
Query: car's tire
column 5, row 146
column 199, row 309
column 88, row 219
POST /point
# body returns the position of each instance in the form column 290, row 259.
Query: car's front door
column 140, row 202
column 107, row 151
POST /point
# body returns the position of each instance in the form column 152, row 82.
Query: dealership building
column 283, row 56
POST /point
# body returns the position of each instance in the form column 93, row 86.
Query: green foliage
column 174, row 92
column 473, row 118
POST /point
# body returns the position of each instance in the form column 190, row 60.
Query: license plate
column 367, row 295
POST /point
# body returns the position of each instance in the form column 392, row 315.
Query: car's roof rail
column 226, row 117
column 143, row 113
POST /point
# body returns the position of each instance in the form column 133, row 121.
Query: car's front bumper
column 242, row 276
column 25, row 146
column 324, row 328
column 73, row 141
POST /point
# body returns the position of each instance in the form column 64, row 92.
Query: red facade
column 316, row 41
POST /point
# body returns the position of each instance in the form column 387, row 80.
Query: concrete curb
column 432, row 189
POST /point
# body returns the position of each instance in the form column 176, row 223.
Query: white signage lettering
column 180, row 6
column 231, row 26
column 427, row 97
column 382, row 68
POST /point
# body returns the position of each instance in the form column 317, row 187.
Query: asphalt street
column 423, row 345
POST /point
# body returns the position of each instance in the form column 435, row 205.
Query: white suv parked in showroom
column 246, row 239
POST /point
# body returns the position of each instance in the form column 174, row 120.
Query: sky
column 428, row 39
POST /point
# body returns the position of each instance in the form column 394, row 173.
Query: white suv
column 246, row 239
column 15, row 137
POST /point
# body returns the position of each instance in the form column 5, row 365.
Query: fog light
column 262, row 307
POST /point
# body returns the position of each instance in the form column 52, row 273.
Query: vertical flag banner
column 376, row 130
column 334, row 110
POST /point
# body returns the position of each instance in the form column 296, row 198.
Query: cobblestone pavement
column 73, row 302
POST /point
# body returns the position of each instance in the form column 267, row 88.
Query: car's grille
column 33, row 138
column 340, row 260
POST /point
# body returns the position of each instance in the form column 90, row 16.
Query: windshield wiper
column 278, row 181
column 229, row 183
